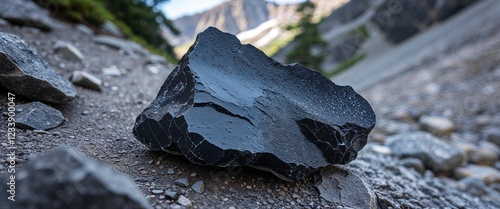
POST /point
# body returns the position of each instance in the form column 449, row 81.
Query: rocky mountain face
column 348, row 28
column 237, row 16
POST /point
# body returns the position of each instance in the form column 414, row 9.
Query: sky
column 178, row 8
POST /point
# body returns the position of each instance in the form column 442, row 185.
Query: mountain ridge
column 237, row 16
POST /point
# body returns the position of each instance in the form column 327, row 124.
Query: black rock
column 228, row 104
column 64, row 178
column 24, row 72
column 36, row 115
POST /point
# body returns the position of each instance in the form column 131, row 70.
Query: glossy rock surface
column 228, row 104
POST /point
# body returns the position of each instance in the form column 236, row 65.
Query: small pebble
column 157, row 191
column 183, row 182
column 198, row 187
column 40, row 132
column 170, row 171
column 142, row 179
column 170, row 194
column 184, row 201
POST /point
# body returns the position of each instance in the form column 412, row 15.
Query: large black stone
column 228, row 104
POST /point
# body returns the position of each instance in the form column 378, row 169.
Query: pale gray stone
column 68, row 51
column 86, row 80
column 438, row 126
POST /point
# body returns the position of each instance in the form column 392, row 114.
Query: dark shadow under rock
column 228, row 104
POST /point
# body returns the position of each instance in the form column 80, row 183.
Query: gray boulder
column 24, row 72
column 342, row 187
column 27, row 13
column 399, row 20
column 36, row 115
column 64, row 178
column 436, row 154
column 68, row 51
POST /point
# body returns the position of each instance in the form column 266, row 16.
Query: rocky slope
column 348, row 28
column 460, row 88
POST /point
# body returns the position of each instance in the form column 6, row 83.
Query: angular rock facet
column 36, row 115
column 228, row 104
column 23, row 71
column 345, row 188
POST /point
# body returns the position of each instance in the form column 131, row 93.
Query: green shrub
column 137, row 19
column 346, row 64
column 308, row 39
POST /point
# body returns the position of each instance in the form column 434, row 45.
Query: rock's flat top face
column 345, row 188
column 229, row 104
column 36, row 115
column 24, row 72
